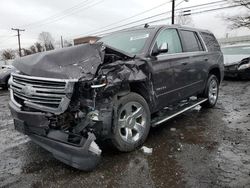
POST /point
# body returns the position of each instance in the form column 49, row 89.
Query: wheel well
column 7, row 79
column 216, row 72
column 140, row 88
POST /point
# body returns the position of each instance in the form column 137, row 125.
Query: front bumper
column 85, row 155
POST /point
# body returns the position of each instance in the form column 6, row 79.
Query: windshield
column 129, row 41
column 237, row 50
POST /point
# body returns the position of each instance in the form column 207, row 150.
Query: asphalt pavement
column 201, row 148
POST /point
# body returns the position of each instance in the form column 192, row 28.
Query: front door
column 163, row 67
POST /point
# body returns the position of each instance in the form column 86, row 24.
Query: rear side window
column 191, row 42
column 210, row 41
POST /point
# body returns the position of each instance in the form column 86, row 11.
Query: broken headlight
column 99, row 82
column 244, row 66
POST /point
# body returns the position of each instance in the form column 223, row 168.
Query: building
column 87, row 39
column 234, row 40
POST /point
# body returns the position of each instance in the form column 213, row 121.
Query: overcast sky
column 80, row 17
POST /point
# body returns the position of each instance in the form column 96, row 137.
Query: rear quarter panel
column 213, row 53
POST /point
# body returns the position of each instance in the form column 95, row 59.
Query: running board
column 173, row 113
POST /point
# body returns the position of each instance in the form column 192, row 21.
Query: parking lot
column 207, row 148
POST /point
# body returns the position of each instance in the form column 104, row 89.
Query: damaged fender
column 67, row 63
column 100, row 74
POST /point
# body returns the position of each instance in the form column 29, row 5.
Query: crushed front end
column 52, row 102
column 45, row 110
column 64, row 99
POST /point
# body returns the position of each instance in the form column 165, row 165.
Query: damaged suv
column 115, row 89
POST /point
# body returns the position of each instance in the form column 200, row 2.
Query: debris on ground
column 173, row 129
column 193, row 98
column 198, row 164
column 197, row 108
column 147, row 150
column 179, row 147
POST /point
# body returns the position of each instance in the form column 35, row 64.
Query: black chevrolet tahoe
column 69, row 100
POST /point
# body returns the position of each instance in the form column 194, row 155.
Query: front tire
column 211, row 92
column 131, row 122
column 6, row 86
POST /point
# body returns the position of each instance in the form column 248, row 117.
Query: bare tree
column 47, row 40
column 67, row 43
column 49, row 46
column 241, row 20
column 33, row 49
column 183, row 19
column 39, row 47
column 8, row 54
column 26, row 52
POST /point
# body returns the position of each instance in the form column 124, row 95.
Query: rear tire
column 211, row 92
column 131, row 122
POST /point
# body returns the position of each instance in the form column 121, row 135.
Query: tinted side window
column 170, row 38
column 191, row 42
column 210, row 41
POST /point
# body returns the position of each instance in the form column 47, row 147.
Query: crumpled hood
column 75, row 62
column 234, row 59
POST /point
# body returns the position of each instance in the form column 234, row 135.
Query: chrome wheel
column 213, row 91
column 132, row 122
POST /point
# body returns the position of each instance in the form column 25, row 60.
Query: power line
column 181, row 9
column 215, row 9
column 128, row 18
column 166, row 18
column 50, row 21
column 162, row 19
column 160, row 14
column 7, row 38
column 4, row 36
column 60, row 18
column 56, row 15
column 143, row 19
column 157, row 15
column 180, row 3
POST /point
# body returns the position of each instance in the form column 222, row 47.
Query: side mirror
column 156, row 50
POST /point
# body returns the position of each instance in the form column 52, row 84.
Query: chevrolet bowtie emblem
column 28, row 90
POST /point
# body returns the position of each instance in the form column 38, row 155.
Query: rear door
column 193, row 70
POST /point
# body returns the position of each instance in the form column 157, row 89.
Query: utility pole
column 18, row 35
column 62, row 41
column 173, row 6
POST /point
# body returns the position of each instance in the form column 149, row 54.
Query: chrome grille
column 50, row 95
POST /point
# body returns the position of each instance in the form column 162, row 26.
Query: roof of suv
column 157, row 27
